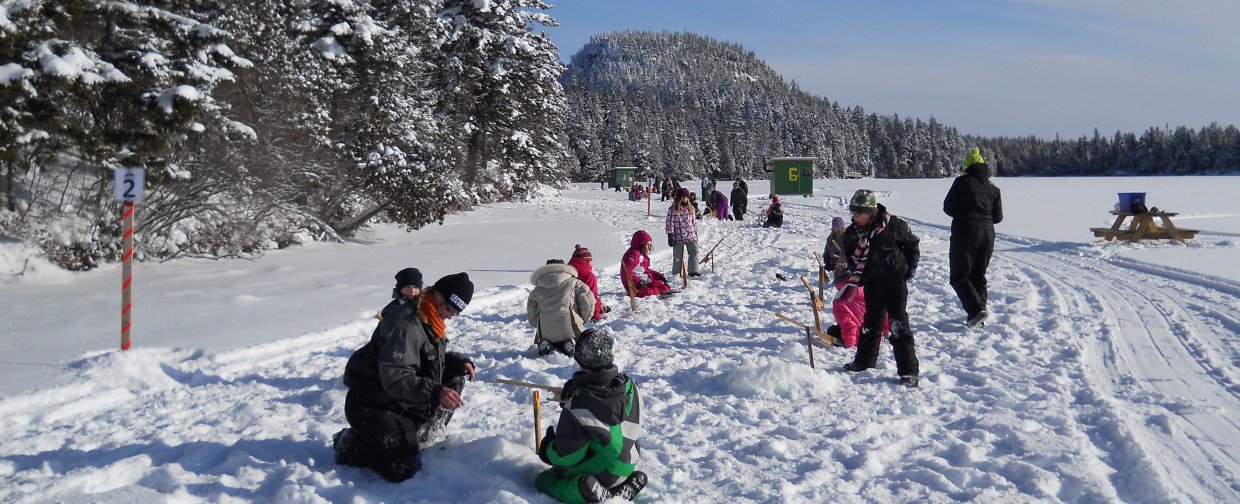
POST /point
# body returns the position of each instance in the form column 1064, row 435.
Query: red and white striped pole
column 127, row 275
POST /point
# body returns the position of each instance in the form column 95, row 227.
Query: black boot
column 399, row 471
column 591, row 490
column 909, row 381
column 854, row 367
column 629, row 489
column 343, row 443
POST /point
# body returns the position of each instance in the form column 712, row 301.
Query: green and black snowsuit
column 597, row 434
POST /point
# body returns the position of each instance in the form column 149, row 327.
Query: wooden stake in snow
column 537, row 422
column 129, row 183
column 127, row 276
column 809, row 344
column 684, row 277
column 647, row 203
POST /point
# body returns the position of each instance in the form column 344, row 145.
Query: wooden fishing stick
column 684, row 276
column 814, row 303
column 709, row 255
column 632, row 298
column 822, row 274
column 537, row 422
column 554, row 393
column 825, row 339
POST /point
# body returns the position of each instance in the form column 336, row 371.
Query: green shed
column 792, row 175
column 622, row 177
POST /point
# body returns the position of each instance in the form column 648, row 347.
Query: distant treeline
column 684, row 105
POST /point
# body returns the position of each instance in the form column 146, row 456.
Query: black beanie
column 457, row 289
column 594, row 349
column 407, row 277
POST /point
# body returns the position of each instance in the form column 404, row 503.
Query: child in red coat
column 583, row 261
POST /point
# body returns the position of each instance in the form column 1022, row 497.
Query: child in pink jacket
column 849, row 310
column 635, row 269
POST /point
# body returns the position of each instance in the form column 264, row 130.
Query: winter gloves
column 847, row 293
column 670, row 241
column 912, row 272
column 546, row 444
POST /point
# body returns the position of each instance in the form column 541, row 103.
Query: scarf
column 430, row 315
column 862, row 253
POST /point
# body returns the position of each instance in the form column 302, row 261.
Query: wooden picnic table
column 1142, row 227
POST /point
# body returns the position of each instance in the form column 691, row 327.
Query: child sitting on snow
column 635, row 272
column 588, row 462
column 583, row 262
column 558, row 307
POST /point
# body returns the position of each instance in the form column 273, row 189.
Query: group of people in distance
column 404, row 385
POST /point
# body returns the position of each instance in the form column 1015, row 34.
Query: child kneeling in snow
column 594, row 453
column 558, row 307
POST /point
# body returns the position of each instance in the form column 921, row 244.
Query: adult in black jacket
column 975, row 207
column 404, row 384
column 740, row 200
column 882, row 256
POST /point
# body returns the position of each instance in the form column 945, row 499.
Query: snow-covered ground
column 1108, row 374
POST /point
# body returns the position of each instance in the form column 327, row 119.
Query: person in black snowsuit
column 668, row 190
column 404, row 384
column 975, row 206
column 740, row 200
column 882, row 256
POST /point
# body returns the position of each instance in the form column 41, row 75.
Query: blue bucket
column 1126, row 199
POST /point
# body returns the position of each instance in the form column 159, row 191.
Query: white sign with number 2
column 129, row 183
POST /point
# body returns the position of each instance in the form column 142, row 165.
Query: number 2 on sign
column 129, row 186
column 792, row 174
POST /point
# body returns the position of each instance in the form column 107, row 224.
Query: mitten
column 912, row 272
column 670, row 243
column 546, row 445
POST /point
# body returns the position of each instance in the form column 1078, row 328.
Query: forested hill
column 685, row 105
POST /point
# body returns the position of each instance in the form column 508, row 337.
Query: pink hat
column 640, row 238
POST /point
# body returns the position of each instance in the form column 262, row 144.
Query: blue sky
column 1041, row 67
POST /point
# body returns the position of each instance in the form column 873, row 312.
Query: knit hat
column 838, row 222
column 582, row 252
column 457, row 289
column 975, row 156
column 594, row 349
column 684, row 191
column 407, row 277
column 863, row 201
column 640, row 238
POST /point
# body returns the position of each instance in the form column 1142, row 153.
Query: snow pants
column 678, row 255
column 880, row 303
column 738, row 210
column 388, row 441
column 850, row 315
column 970, row 252
column 654, row 288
